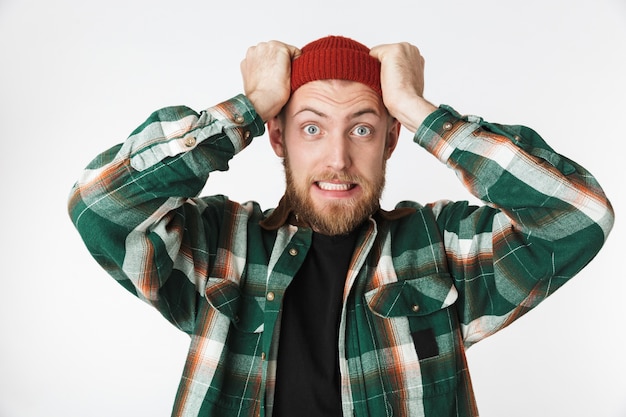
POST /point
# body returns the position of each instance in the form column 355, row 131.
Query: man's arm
column 545, row 217
column 135, row 206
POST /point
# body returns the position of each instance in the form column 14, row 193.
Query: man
column 328, row 305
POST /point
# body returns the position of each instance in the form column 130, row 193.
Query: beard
column 335, row 217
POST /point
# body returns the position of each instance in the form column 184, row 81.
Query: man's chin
column 338, row 219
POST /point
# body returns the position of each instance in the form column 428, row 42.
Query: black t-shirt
column 307, row 374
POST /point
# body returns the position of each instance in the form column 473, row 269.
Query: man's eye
column 311, row 130
column 362, row 131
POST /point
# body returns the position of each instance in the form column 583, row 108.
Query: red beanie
column 336, row 57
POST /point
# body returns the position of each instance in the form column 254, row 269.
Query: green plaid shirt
column 447, row 273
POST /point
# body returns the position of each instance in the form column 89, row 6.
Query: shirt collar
column 284, row 213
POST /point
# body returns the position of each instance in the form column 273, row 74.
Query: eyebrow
column 354, row 115
column 312, row 110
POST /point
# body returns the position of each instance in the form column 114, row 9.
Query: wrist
column 412, row 114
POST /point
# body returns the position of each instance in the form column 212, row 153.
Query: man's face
column 335, row 137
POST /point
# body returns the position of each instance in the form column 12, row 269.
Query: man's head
column 335, row 135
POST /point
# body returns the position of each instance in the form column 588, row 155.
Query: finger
column 294, row 52
column 379, row 51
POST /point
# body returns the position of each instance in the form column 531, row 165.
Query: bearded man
column 329, row 305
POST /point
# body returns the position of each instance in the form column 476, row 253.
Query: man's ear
column 275, row 132
column 392, row 138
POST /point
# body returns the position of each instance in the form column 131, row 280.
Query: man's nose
column 338, row 152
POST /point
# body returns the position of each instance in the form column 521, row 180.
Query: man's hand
column 266, row 72
column 402, row 81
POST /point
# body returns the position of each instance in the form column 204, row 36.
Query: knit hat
column 336, row 57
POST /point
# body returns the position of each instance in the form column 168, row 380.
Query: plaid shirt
column 425, row 282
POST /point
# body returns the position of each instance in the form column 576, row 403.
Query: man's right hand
column 266, row 72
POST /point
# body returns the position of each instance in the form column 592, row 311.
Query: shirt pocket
column 412, row 297
column 245, row 312
column 420, row 311
column 238, row 377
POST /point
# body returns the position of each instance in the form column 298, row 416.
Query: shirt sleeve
column 136, row 206
column 545, row 217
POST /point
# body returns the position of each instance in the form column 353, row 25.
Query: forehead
column 337, row 98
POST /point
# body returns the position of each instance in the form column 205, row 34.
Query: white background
column 77, row 76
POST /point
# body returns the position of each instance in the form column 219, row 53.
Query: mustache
column 340, row 176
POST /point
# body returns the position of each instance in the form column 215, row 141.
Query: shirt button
column 415, row 308
column 190, row 141
column 238, row 119
column 447, row 126
column 293, row 251
column 270, row 296
column 262, row 356
column 247, row 134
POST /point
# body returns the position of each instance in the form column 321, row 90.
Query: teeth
column 331, row 186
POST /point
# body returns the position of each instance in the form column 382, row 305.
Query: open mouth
column 335, row 186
